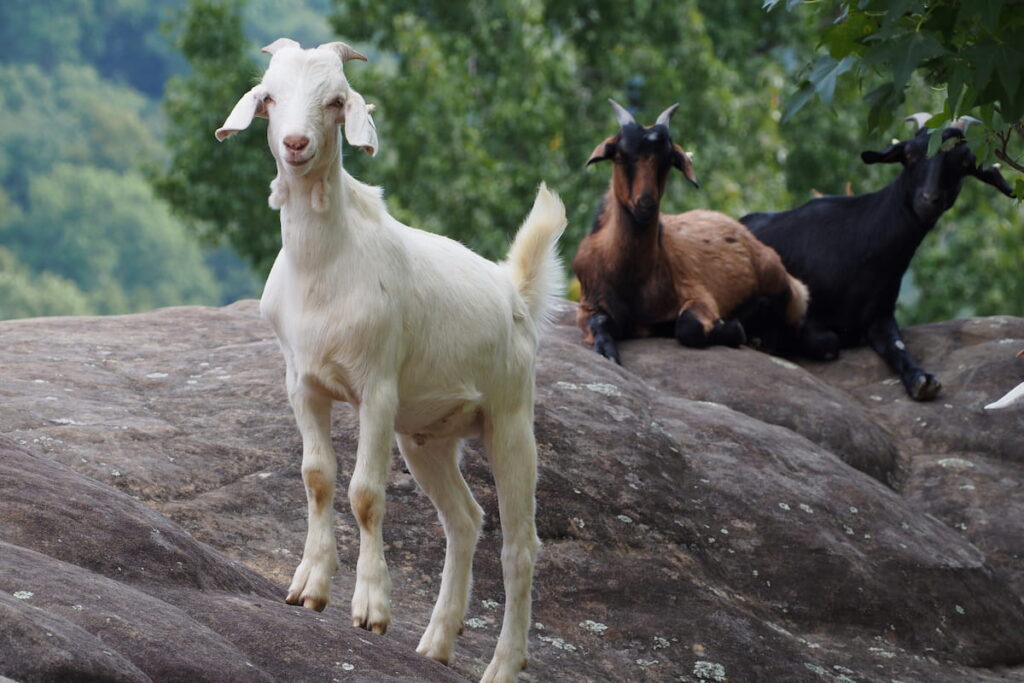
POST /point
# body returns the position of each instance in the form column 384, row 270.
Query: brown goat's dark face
column 642, row 158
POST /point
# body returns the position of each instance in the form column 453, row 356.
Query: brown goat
column 645, row 273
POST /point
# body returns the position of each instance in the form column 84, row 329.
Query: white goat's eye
column 337, row 102
column 267, row 99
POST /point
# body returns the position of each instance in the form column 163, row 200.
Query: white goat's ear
column 359, row 128
column 279, row 44
column 344, row 50
column 241, row 116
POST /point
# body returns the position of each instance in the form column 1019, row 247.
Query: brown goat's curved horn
column 920, row 118
column 666, row 115
column 621, row 115
column 344, row 51
column 962, row 123
column 279, row 44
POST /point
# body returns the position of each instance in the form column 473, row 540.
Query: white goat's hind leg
column 435, row 465
column 512, row 451
column 371, row 600
column 312, row 581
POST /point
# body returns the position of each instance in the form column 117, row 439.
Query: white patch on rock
column 624, row 519
column 660, row 643
column 806, row 508
column 960, row 610
column 568, row 386
column 475, row 622
column 23, row 595
column 604, row 389
column 67, row 421
column 709, row 671
column 881, row 652
column 559, row 643
column 784, row 363
column 956, row 464
column 784, row 506
column 594, row 626
column 490, row 604
column 646, row 662
column 156, row 375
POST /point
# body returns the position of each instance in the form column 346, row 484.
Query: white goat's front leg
column 371, row 601
column 512, row 451
column 312, row 581
column 435, row 465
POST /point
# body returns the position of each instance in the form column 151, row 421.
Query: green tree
column 106, row 232
column 222, row 187
column 69, row 115
column 24, row 294
column 969, row 55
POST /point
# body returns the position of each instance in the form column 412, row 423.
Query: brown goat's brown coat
column 702, row 261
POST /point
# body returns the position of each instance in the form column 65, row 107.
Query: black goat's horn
column 963, row 122
column 621, row 115
column 920, row 118
column 666, row 115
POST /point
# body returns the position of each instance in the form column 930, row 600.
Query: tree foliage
column 974, row 51
column 476, row 104
column 106, row 232
column 223, row 186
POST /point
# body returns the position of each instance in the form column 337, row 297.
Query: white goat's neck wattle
column 311, row 232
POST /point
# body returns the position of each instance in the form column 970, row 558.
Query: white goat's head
column 304, row 95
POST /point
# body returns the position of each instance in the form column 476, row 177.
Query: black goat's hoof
column 608, row 349
column 925, row 387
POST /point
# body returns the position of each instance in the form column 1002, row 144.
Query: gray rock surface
column 715, row 515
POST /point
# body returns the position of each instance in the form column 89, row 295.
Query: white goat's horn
column 279, row 44
column 344, row 51
column 962, row 123
column 666, row 115
column 621, row 115
column 920, row 118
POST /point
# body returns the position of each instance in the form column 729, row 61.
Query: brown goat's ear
column 603, row 152
column 681, row 160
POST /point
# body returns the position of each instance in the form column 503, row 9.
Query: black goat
column 852, row 252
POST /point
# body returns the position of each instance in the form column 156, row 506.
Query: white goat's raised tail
column 533, row 261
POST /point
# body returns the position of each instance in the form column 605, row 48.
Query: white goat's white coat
column 428, row 341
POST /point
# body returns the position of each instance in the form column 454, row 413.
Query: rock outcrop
column 715, row 515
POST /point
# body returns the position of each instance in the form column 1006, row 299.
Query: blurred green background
column 115, row 197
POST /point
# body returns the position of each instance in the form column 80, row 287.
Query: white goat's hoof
column 371, row 609
column 437, row 643
column 504, row 670
column 310, row 587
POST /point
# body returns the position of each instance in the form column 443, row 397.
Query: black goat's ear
column 890, row 155
column 993, row 177
column 604, row 151
column 681, row 160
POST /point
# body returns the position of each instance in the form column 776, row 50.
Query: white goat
column 427, row 340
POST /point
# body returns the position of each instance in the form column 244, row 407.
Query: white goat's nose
column 296, row 142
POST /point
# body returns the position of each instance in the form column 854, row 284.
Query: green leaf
column 797, row 101
column 824, row 74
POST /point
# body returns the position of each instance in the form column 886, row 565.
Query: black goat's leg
column 603, row 328
column 884, row 336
